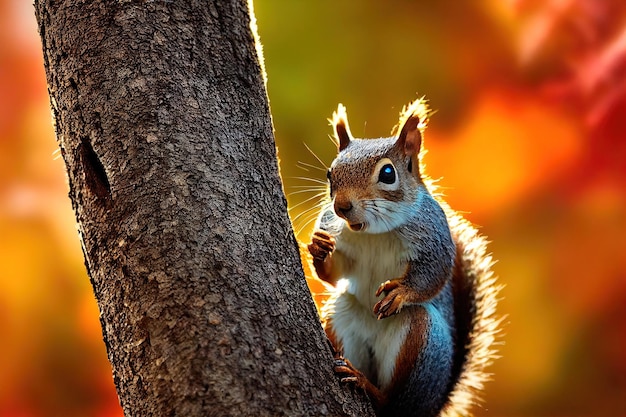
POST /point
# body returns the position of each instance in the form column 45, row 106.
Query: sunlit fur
column 386, row 229
column 393, row 219
column 473, row 271
column 417, row 108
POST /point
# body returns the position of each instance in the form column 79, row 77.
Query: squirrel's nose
column 343, row 207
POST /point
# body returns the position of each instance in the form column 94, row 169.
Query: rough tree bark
column 163, row 122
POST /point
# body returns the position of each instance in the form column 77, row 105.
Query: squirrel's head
column 375, row 183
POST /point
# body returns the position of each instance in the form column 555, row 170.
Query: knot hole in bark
column 95, row 176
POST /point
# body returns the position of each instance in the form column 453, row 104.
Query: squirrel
column 411, row 316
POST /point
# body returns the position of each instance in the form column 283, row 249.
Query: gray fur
column 429, row 255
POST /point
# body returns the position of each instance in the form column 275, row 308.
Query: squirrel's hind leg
column 423, row 388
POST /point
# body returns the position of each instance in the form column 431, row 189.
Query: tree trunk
column 163, row 122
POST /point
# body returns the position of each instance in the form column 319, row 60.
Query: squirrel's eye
column 328, row 175
column 387, row 174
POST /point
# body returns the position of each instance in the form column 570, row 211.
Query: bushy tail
column 478, row 325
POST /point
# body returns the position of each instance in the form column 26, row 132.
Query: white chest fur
column 364, row 262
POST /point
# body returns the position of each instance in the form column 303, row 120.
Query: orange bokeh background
column 529, row 140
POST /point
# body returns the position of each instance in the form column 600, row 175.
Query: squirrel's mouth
column 356, row 227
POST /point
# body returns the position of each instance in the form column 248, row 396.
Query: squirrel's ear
column 410, row 138
column 342, row 129
column 413, row 121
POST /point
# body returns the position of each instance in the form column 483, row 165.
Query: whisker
column 318, row 195
column 304, row 213
column 311, row 187
column 308, row 190
column 313, row 210
column 333, row 140
column 310, row 179
column 383, row 211
column 56, row 154
column 316, row 157
column 308, row 221
column 304, row 166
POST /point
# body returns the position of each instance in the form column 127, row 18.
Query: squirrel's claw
column 341, row 362
column 393, row 301
column 346, row 371
column 387, row 286
column 349, row 374
column 387, row 307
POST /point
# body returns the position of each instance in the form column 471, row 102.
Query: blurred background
column 529, row 140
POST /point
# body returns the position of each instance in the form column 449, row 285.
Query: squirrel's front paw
column 322, row 245
column 395, row 295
